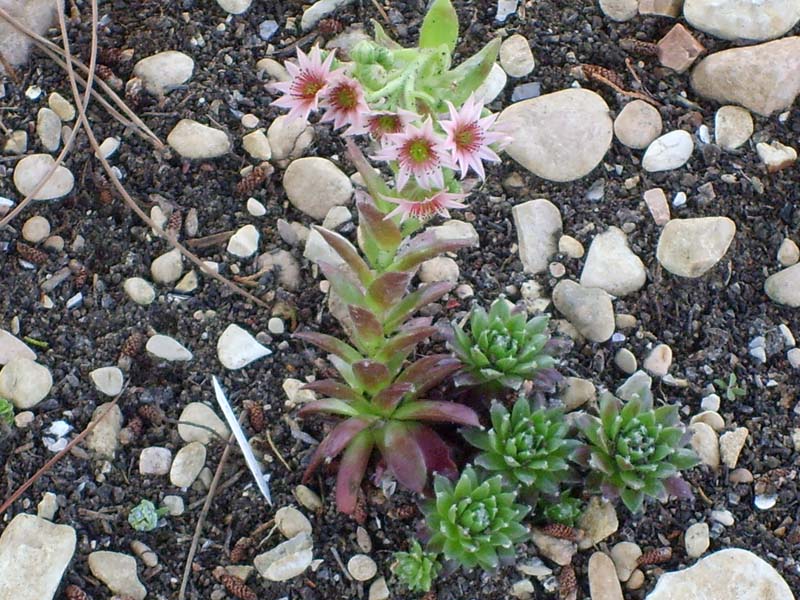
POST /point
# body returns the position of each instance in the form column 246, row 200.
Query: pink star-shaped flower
column 310, row 76
column 344, row 104
column 437, row 204
column 419, row 152
column 469, row 137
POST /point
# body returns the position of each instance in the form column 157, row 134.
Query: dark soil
column 708, row 321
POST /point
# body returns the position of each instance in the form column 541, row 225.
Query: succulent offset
column 416, row 569
column 144, row 516
column 381, row 398
column 530, row 448
column 6, row 411
column 474, row 521
column 635, row 451
column 564, row 509
column 502, row 348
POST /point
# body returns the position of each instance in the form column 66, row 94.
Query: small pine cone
column 655, row 556
column 134, row 344
column 251, row 181
column 114, row 56
column 73, row 592
column 360, row 512
column 31, row 254
column 106, row 74
column 255, row 414
column 639, row 47
column 602, row 74
column 330, row 26
column 405, row 511
column 562, row 532
column 241, row 550
column 174, row 223
column 567, row 583
column 151, row 414
column 81, row 275
column 234, row 585
column 135, row 427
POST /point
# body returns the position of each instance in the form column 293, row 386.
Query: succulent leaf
column 330, row 344
column 351, row 471
column 348, row 253
column 416, row 569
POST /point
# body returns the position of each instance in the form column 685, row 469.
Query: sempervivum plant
column 502, row 347
column 529, row 447
column 381, row 398
column 474, row 521
column 634, row 450
column 417, row 568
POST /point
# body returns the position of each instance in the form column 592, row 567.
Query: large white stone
column 315, row 185
column 638, row 124
column 34, row 554
column 107, row 380
column 167, row 348
column 612, row 266
column 236, row 348
column 11, row 348
column 118, row 572
column 209, row 423
column 743, row 19
column 690, row 247
column 538, row 225
column 164, row 70
column 560, row 136
column 763, row 78
column 733, row 126
column 784, row 286
column 234, row 7
column 191, row 139
column 32, row 169
column 732, row 574
column 670, row 151
column 588, row 309
column 286, row 560
column 25, row 382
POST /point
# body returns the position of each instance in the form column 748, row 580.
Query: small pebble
column 696, row 540
column 276, row 326
column 625, row 360
column 155, row 460
column 362, row 567
column 788, row 253
column 291, row 522
column 255, row 208
column 516, row 57
column 35, row 229
column 249, row 121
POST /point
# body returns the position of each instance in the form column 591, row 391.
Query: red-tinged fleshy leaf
column 348, row 253
column 372, row 178
column 438, row 457
column 328, row 405
column 388, row 289
column 437, row 411
column 371, row 375
column 424, row 246
column 403, row 455
column 397, row 348
column 343, row 282
column 351, row 471
column 412, row 324
column 330, row 344
column 391, row 396
column 428, row 372
column 385, row 233
column 332, row 388
column 336, row 441
column 426, row 294
column 366, row 327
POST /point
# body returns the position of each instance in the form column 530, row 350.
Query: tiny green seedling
column 144, row 516
column 6, row 412
column 730, row 387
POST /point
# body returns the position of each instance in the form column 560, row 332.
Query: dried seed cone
column 31, row 254
column 562, row 532
column 252, row 181
column 330, row 26
column 175, row 221
column 655, row 556
column 241, row 550
column 134, row 344
column 567, row 583
column 235, row 586
column 255, row 414
column 151, row 414
column 73, row 592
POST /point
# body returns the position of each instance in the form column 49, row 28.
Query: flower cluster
column 428, row 149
